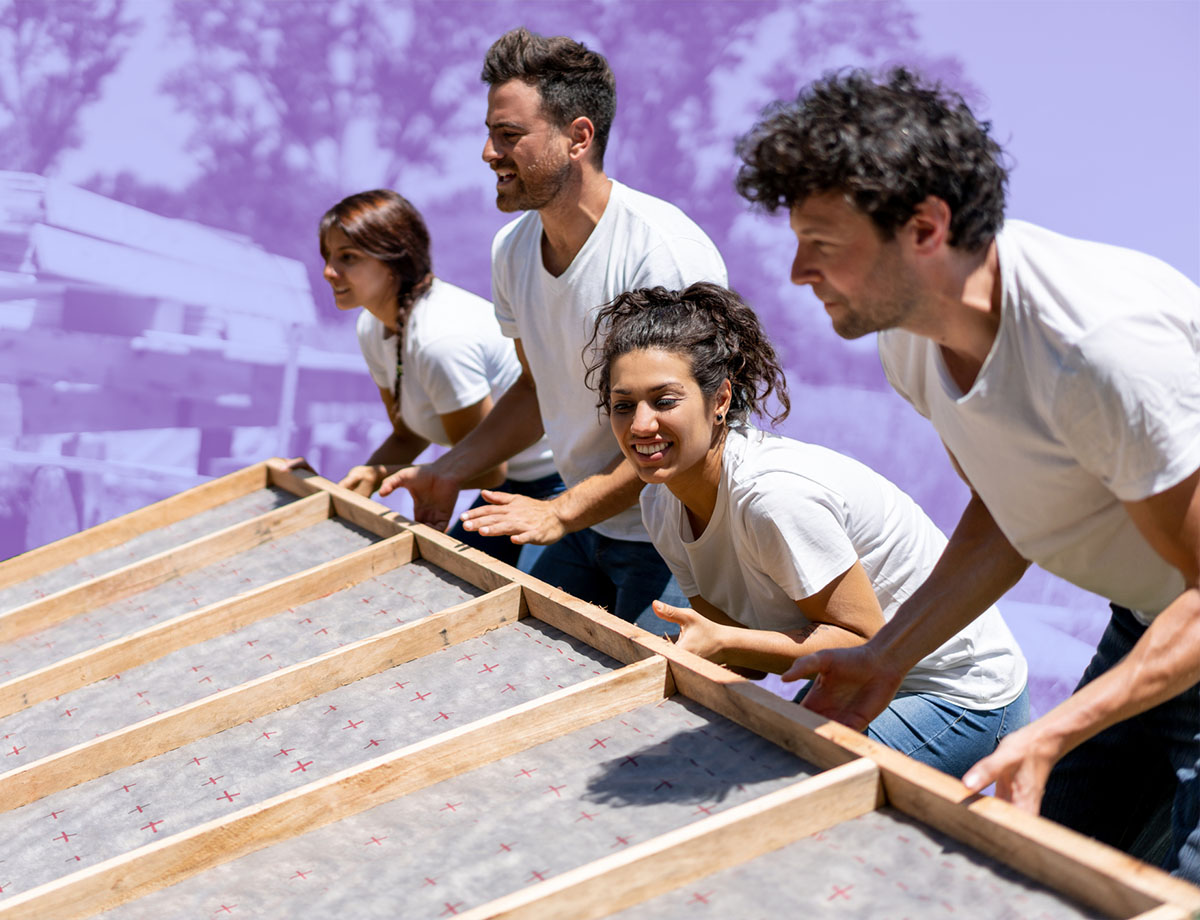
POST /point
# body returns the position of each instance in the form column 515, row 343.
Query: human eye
column 620, row 407
column 666, row 402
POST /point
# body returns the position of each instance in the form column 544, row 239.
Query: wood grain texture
column 258, row 697
column 119, row 529
column 348, row 792
column 197, row 626
column 681, row 856
column 162, row 567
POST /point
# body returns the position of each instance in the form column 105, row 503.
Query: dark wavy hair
column 887, row 144
column 572, row 80
column 709, row 325
column 386, row 226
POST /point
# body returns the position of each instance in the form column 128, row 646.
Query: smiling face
column 861, row 278
column 527, row 152
column 357, row 279
column 665, row 425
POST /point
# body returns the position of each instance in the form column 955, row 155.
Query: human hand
column 433, row 494
column 850, row 685
column 519, row 517
column 363, row 479
column 1019, row 767
column 697, row 633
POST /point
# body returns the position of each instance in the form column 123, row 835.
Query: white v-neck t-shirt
column 789, row 518
column 1089, row 397
column 639, row 242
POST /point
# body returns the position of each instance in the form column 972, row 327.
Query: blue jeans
column 503, row 548
column 623, row 576
column 1135, row 785
column 943, row 735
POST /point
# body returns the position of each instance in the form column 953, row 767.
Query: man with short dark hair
column 584, row 240
column 1064, row 378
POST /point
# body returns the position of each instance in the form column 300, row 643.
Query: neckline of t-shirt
column 567, row 277
column 1008, row 288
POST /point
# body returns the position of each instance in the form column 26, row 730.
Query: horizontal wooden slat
column 118, row 530
column 346, row 793
column 162, row 567
column 664, row 863
column 285, row 687
column 199, row 625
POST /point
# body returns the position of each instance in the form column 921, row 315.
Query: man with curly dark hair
column 1064, row 378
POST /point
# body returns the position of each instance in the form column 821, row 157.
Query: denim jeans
column 942, row 734
column 1135, row 785
column 623, row 576
column 503, row 548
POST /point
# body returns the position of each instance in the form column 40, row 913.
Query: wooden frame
column 857, row 776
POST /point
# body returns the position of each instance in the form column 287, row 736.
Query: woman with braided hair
column 434, row 350
column 782, row 547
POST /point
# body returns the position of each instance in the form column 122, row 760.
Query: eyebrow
column 493, row 125
column 654, row 389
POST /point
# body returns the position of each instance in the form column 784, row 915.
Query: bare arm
column 1163, row 663
column 843, row 614
column 855, row 686
column 514, row 423
column 400, row 447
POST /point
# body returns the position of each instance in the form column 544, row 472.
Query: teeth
column 649, row 449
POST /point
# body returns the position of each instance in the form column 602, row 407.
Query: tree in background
column 54, row 57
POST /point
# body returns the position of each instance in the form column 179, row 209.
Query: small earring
column 720, row 418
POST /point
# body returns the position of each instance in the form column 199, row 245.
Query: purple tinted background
column 177, row 327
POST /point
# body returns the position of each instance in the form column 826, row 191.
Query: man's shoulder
column 653, row 214
column 517, row 232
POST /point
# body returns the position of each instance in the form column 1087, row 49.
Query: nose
column 645, row 421
column 330, row 273
column 489, row 151
column 802, row 271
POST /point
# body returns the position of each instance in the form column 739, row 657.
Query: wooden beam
column 1061, row 859
column 1166, row 912
column 271, row 692
column 366, row 513
column 162, row 567
column 340, row 795
column 196, row 626
column 678, row 857
column 127, row 526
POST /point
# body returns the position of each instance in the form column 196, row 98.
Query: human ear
column 581, row 132
column 929, row 226
column 724, row 398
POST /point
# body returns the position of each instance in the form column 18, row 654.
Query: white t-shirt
column 639, row 242
column 454, row 356
column 1090, row 396
column 790, row 517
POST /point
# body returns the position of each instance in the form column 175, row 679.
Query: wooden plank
column 162, row 567
column 271, row 692
column 1063, row 860
column 1165, row 912
column 364, row 512
column 819, row 741
column 119, row 529
column 197, row 626
column 1077, row 866
column 588, row 623
column 721, row 841
column 340, row 795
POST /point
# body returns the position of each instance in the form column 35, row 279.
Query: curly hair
column 709, row 325
column 386, row 226
column 887, row 144
column 572, row 80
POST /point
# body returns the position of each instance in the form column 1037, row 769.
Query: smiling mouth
column 504, row 177
column 650, row 451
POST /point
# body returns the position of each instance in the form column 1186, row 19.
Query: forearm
column 598, row 497
column 976, row 568
column 1163, row 663
column 774, row 652
column 513, row 424
column 397, row 450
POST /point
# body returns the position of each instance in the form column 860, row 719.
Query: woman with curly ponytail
column 783, row 548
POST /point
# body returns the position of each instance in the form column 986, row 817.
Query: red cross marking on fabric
column 152, row 827
column 301, row 767
column 840, row 893
column 227, row 795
